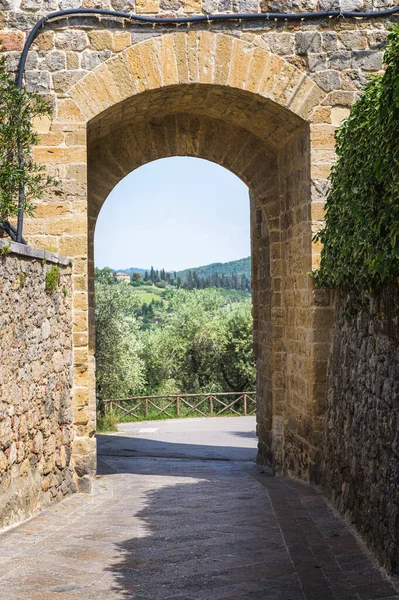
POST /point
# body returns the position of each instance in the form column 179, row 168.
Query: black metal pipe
column 101, row 12
column 21, row 200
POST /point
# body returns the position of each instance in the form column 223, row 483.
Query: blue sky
column 174, row 213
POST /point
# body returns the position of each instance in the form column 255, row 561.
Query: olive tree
column 119, row 367
column 22, row 181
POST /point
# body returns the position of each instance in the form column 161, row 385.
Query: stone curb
column 30, row 252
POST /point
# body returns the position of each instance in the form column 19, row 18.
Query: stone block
column 45, row 41
column 11, row 40
column 307, row 41
column 66, row 4
column 121, row 40
column 327, row 80
column 282, row 44
column 352, row 5
column 68, row 111
column 339, row 114
column 339, row 60
column 147, row 6
column 352, row 40
column 73, row 246
column 340, row 98
column 191, row 6
column 368, row 60
column 72, row 60
column 60, row 155
column 91, row 59
column 316, row 62
column 63, row 80
column 322, row 136
column 376, row 39
column 329, row 41
column 322, row 114
column 245, row 6
column 37, row 81
column 71, row 40
column 80, row 417
column 55, row 61
column 51, row 139
column 329, row 4
column 42, row 124
column 215, row 6
column 101, row 40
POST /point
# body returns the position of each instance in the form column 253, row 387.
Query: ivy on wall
column 361, row 234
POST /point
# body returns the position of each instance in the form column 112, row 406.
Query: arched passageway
column 215, row 97
column 268, row 148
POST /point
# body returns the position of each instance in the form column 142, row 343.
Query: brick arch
column 197, row 57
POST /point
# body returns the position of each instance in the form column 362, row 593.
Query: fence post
column 178, row 406
column 211, row 405
column 245, row 405
column 146, row 408
column 111, row 407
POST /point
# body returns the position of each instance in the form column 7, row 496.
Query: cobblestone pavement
column 187, row 528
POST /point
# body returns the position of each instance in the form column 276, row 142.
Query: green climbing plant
column 361, row 234
column 18, row 109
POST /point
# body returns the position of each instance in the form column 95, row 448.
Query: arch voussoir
column 197, row 57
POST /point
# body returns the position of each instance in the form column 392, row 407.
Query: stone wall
column 35, row 382
column 361, row 462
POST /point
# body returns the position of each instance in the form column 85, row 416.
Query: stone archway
column 211, row 96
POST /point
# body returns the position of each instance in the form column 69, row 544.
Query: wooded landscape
column 153, row 340
column 233, row 275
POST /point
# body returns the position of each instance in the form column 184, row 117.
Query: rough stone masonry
column 35, row 384
column 361, row 456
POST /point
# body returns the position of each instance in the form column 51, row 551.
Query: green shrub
column 107, row 422
column 52, row 279
column 5, row 250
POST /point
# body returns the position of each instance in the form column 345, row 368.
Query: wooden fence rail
column 177, row 405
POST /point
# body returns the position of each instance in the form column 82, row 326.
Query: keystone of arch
column 196, row 57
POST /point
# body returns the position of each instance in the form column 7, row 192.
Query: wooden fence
column 183, row 405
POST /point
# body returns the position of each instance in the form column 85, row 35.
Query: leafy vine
column 361, row 233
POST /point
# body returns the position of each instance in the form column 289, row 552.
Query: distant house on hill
column 118, row 276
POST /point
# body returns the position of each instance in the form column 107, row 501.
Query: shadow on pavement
column 219, row 529
column 245, row 434
column 205, row 540
column 136, row 446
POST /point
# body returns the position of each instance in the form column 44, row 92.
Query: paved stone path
column 187, row 528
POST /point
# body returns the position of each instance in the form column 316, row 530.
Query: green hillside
column 233, row 275
column 239, row 267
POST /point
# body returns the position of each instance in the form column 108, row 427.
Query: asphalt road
column 217, row 438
